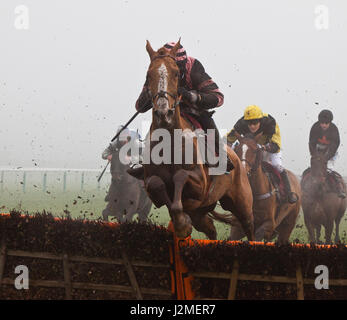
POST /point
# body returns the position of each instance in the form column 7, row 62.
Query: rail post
column 2, row 180
column 64, row 182
column 24, row 180
column 44, row 184
column 82, row 181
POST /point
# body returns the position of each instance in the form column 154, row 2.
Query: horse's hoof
column 183, row 225
column 186, row 232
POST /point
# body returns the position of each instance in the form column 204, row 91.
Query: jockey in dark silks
column 324, row 136
column 199, row 94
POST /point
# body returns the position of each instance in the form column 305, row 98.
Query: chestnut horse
column 188, row 191
column 270, row 215
column 321, row 205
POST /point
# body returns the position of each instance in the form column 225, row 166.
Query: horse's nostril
column 170, row 112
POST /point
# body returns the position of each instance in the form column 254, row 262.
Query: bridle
column 166, row 94
column 254, row 167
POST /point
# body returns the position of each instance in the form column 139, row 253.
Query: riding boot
column 340, row 192
column 292, row 197
column 339, row 186
column 208, row 123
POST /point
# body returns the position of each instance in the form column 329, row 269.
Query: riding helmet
column 253, row 113
column 325, row 116
column 181, row 56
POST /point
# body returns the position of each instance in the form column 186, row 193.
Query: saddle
column 275, row 179
column 333, row 178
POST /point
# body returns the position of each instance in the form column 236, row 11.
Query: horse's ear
column 258, row 137
column 150, row 50
column 173, row 51
column 238, row 136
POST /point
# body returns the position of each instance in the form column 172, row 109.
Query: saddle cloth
column 192, row 120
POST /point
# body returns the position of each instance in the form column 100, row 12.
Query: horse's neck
column 319, row 173
column 259, row 181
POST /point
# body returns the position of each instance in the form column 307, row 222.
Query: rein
column 253, row 170
column 256, row 165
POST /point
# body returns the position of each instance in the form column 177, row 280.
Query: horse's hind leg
column 337, row 232
column 286, row 226
column 309, row 226
column 236, row 232
column 243, row 212
column 338, row 220
column 204, row 223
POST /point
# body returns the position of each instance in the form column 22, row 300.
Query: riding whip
column 118, row 133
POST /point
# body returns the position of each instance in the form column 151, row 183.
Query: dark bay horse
column 320, row 203
column 187, row 189
column 126, row 196
column 271, row 216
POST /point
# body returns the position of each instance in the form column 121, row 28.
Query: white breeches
column 275, row 159
column 332, row 161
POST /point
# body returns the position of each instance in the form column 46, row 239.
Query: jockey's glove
column 266, row 147
column 189, row 95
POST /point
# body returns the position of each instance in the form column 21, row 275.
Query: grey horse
column 126, row 196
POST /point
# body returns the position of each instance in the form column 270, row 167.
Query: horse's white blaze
column 244, row 151
column 162, row 85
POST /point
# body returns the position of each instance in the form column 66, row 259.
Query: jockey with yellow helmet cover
column 255, row 121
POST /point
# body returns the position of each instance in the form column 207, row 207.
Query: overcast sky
column 73, row 76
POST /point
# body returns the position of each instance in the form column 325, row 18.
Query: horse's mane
column 249, row 135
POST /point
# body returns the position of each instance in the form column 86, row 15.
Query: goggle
column 253, row 122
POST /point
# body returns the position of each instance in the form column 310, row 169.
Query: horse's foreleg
column 105, row 214
column 328, row 230
column 309, row 226
column 318, row 230
column 156, row 189
column 179, row 179
column 181, row 221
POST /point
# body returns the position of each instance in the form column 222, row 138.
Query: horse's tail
column 221, row 217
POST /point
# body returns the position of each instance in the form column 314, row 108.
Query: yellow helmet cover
column 253, row 112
